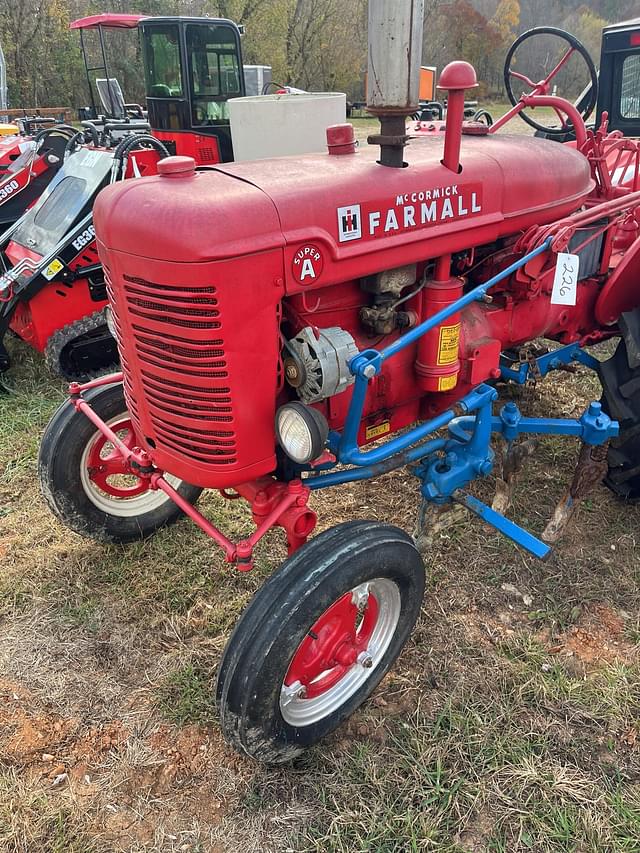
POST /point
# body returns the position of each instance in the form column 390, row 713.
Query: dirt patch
column 48, row 745
column 597, row 637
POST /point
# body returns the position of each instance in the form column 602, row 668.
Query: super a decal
column 409, row 211
column 308, row 264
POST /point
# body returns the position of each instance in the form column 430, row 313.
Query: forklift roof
column 107, row 19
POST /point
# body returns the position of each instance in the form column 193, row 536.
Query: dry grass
column 505, row 726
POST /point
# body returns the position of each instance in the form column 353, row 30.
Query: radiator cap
column 177, row 167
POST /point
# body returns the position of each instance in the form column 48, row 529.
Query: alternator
column 319, row 367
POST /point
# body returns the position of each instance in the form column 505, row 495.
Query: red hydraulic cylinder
column 437, row 364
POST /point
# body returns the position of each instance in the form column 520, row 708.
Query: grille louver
column 187, row 400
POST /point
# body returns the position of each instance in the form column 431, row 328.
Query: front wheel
column 318, row 637
column 84, row 479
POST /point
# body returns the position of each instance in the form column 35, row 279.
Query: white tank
column 280, row 125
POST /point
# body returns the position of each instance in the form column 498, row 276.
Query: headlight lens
column 110, row 324
column 301, row 432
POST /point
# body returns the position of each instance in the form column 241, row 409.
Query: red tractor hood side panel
column 200, row 217
column 363, row 217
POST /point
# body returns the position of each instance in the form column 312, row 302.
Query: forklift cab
column 619, row 79
column 192, row 67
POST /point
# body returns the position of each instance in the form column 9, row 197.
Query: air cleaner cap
column 458, row 75
column 177, row 167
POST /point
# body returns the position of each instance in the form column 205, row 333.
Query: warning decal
column 53, row 269
column 377, row 430
column 446, row 383
column 448, row 344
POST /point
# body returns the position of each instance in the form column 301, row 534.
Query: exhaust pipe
column 393, row 76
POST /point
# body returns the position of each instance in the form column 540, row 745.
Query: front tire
column 82, row 481
column 317, row 638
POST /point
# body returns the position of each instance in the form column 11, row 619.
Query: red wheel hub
column 332, row 646
column 102, row 467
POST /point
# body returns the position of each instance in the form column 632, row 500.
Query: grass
column 505, row 726
column 185, row 696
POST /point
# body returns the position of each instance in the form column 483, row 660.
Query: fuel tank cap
column 475, row 128
column 176, row 167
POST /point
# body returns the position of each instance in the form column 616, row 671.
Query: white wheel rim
column 137, row 505
column 299, row 711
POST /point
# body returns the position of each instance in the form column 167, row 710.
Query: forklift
column 192, row 66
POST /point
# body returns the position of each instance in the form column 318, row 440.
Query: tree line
column 313, row 44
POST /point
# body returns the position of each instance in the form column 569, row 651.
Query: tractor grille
column 177, row 357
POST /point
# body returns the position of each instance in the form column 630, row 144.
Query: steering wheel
column 543, row 87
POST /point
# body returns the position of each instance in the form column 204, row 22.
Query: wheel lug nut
column 365, row 660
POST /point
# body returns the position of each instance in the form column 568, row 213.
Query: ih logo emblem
column 349, row 223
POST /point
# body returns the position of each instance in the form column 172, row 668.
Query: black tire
column 621, row 400
column 67, row 436
column 281, row 616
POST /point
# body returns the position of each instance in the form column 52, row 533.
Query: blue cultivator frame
column 445, row 465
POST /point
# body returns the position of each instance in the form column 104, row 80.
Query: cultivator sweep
column 275, row 318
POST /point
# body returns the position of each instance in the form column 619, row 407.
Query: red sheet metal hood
column 364, row 217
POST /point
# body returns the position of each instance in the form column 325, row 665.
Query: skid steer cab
column 52, row 288
column 276, row 318
column 29, row 159
column 192, row 66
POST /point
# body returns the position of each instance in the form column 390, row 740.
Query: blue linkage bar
column 551, row 361
column 368, row 363
column 508, row 528
column 368, row 471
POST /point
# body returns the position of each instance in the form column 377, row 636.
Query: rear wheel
column 318, row 637
column 86, row 483
column 621, row 400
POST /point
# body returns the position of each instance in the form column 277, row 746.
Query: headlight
column 110, row 324
column 301, row 432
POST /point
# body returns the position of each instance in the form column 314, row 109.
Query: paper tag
column 565, row 281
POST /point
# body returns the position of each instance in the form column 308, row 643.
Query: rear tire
column 329, row 623
column 68, row 445
column 621, row 400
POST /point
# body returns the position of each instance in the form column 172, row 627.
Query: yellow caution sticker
column 448, row 344
column 53, row 269
column 377, row 430
column 446, row 383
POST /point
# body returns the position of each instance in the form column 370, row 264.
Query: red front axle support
column 273, row 503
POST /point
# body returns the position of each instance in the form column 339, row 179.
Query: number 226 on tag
column 565, row 280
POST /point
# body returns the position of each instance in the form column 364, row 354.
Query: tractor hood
column 358, row 215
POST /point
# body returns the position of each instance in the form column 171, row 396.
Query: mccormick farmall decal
column 419, row 209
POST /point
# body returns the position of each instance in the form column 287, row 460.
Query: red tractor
column 52, row 292
column 276, row 318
